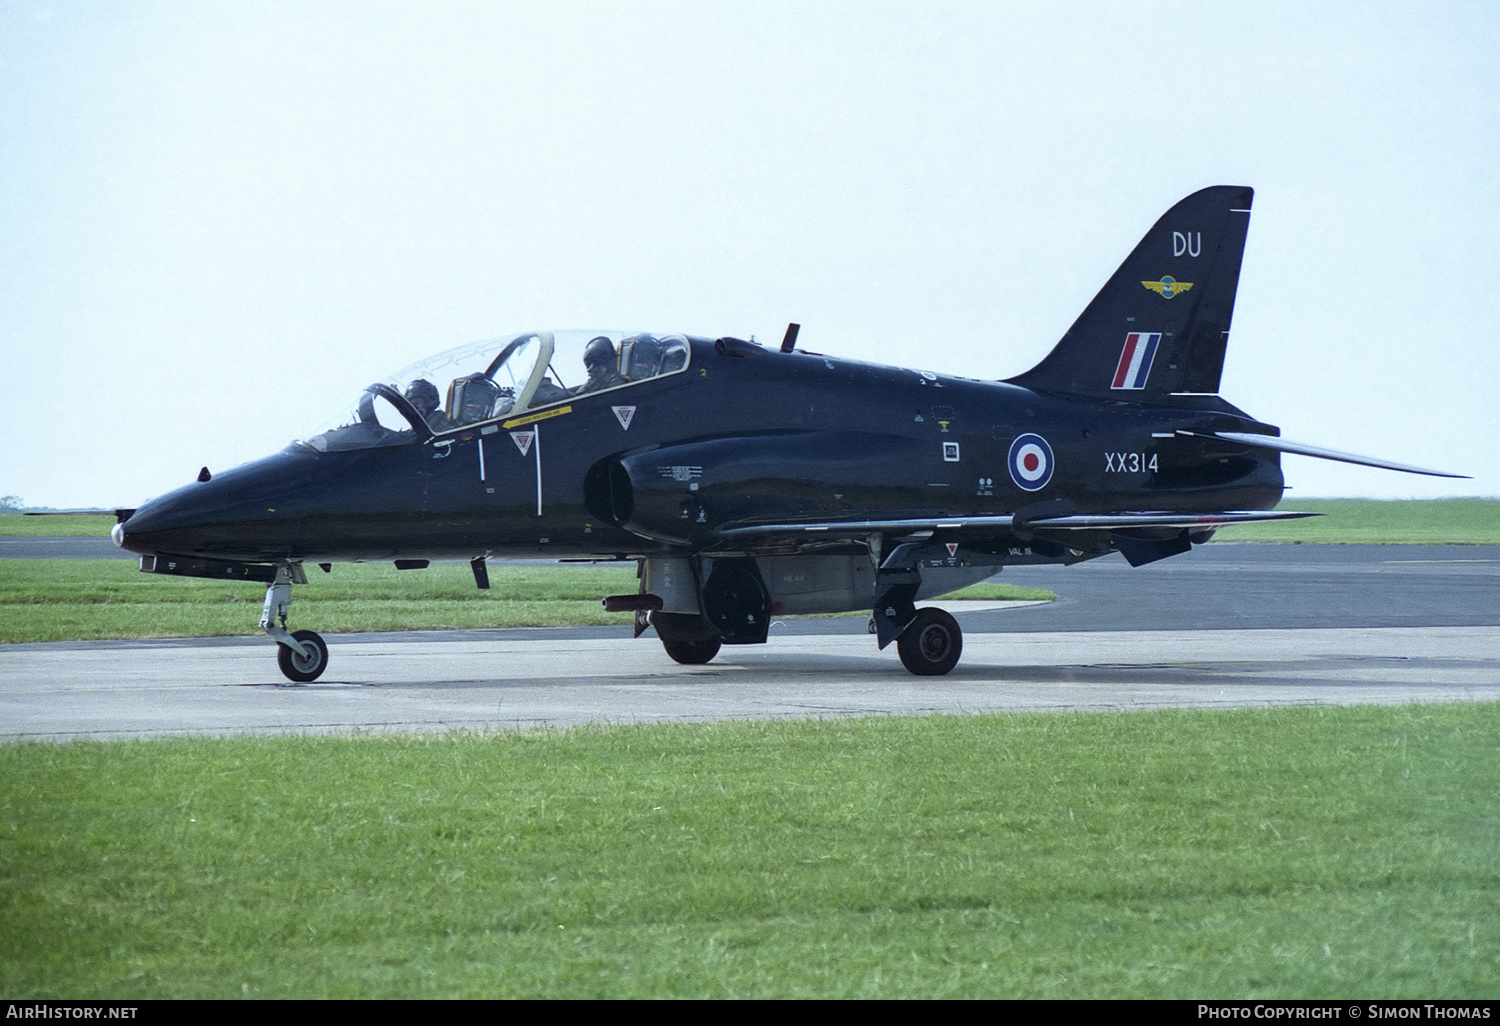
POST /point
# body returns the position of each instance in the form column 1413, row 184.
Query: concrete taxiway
column 503, row 682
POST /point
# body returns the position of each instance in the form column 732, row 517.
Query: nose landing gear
column 302, row 655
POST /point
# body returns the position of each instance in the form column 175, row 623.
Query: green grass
column 72, row 525
column 65, row 599
column 986, row 591
column 1371, row 522
column 83, row 599
column 1313, row 852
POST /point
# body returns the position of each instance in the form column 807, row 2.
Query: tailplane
column 1160, row 325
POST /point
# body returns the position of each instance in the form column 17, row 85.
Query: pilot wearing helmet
column 602, row 365
column 423, row 396
column 640, row 357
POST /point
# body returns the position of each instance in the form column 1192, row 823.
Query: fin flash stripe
column 1135, row 359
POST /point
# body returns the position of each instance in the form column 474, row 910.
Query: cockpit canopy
column 498, row 378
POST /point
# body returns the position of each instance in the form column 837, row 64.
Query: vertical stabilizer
column 1161, row 323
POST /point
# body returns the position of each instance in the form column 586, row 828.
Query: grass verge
column 80, row 599
column 83, row 599
column 71, row 525
column 1313, row 852
column 1372, row 522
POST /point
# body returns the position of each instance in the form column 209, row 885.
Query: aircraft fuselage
column 743, row 434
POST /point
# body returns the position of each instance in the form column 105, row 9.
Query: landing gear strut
column 302, row 656
column 928, row 640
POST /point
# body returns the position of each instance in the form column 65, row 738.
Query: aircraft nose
column 131, row 532
column 232, row 516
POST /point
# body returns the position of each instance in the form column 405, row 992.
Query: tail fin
column 1161, row 323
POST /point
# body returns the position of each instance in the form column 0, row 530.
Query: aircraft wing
column 1116, row 521
column 1005, row 522
column 1317, row 451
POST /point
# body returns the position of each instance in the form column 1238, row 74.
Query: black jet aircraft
column 747, row 482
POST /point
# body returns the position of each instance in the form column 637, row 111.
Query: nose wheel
column 302, row 655
column 307, row 665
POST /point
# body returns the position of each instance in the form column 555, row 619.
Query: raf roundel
column 1030, row 462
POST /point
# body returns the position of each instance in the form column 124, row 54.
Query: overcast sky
column 219, row 221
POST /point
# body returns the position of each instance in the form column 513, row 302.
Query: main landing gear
column 734, row 603
column 686, row 637
column 928, row 639
column 302, row 655
column 931, row 644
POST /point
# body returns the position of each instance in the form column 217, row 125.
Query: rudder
column 1161, row 322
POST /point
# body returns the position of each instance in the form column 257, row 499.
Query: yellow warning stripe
column 532, row 418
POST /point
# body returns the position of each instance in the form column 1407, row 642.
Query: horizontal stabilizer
column 1318, row 452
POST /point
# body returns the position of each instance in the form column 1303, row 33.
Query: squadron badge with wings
column 1168, row 288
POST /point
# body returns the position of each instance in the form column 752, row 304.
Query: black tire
column 930, row 647
column 687, row 638
column 691, row 653
column 303, row 669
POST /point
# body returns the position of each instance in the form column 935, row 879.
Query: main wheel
column 686, row 637
column 303, row 668
column 930, row 647
column 691, row 653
